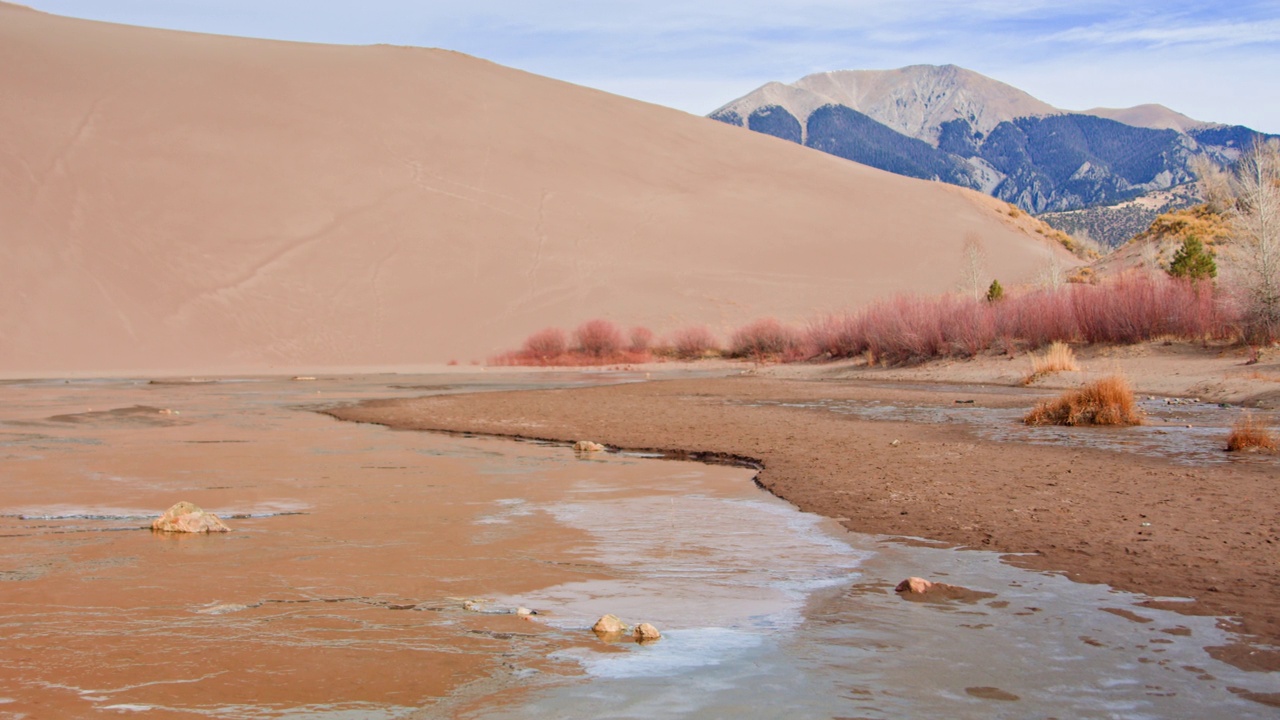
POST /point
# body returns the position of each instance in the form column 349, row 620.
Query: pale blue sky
column 1213, row 60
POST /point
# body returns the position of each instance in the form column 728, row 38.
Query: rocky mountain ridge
column 958, row 126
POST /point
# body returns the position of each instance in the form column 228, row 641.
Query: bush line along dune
column 1131, row 308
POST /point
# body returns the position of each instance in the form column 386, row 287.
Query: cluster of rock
column 611, row 628
column 185, row 517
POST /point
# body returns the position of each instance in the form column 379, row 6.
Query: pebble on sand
column 185, row 517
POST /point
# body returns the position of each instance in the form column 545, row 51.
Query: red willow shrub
column 598, row 338
column 547, row 344
column 693, row 342
column 641, row 339
column 766, row 338
column 1131, row 308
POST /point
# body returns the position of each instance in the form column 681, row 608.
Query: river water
column 374, row 574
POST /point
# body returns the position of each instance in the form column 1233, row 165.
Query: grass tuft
column 1058, row 358
column 1108, row 401
column 1248, row 433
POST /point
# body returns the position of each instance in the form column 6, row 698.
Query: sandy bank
column 1139, row 523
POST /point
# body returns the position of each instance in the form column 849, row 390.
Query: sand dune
column 175, row 201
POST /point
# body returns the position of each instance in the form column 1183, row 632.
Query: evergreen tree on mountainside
column 1193, row 261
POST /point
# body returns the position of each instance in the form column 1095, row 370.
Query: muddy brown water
column 374, row 574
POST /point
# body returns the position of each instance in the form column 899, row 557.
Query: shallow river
column 374, row 574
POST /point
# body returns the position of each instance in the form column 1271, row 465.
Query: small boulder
column 609, row 625
column 185, row 517
column 586, row 446
column 646, row 633
column 525, row 612
column 921, row 590
column 914, row 586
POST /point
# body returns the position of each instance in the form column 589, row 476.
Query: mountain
column 954, row 125
column 181, row 203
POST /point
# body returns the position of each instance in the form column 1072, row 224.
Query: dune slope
column 176, row 201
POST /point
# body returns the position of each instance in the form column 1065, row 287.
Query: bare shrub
column 968, row 325
column 641, row 339
column 1108, row 401
column 598, row 338
column 1255, row 252
column 973, row 266
column 836, row 336
column 1247, row 433
column 694, row 342
column 766, row 338
column 546, row 344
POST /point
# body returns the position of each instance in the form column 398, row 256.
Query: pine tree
column 995, row 292
column 1193, row 261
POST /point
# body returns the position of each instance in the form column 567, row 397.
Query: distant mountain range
column 958, row 126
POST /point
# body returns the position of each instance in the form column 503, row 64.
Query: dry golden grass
column 1108, row 401
column 1058, row 358
column 1248, row 433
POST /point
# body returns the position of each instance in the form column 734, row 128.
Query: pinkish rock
column 921, row 590
column 609, row 625
column 586, row 446
column 186, row 517
column 646, row 633
column 914, row 586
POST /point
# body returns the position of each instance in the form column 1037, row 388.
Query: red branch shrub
column 641, row 339
column 1131, row 308
column 546, row 344
column 766, row 338
column 598, row 338
column 694, row 342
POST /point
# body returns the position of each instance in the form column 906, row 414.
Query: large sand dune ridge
column 176, row 201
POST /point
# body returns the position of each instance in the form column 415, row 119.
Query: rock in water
column 186, row 517
column 587, row 446
column 919, row 589
column 609, row 625
column 646, row 633
column 914, row 585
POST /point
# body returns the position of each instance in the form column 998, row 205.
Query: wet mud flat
column 373, row 573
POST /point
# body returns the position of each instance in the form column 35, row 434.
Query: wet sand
column 1146, row 524
column 340, row 591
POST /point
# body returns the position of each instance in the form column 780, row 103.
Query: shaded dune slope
column 176, row 201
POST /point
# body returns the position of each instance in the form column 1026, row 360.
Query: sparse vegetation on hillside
column 1114, row 225
column 1200, row 221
